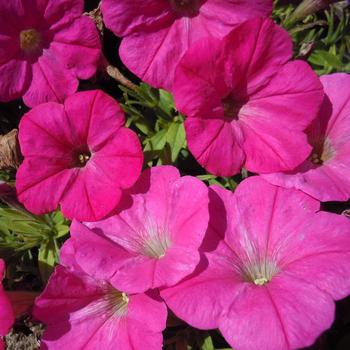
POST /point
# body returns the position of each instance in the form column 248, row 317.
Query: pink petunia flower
column 77, row 155
column 154, row 241
column 45, row 46
column 324, row 175
column 246, row 102
column 81, row 312
column 158, row 32
column 7, row 317
column 274, row 264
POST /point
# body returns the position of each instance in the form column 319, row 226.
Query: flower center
column 231, row 108
column 112, row 303
column 322, row 153
column 185, row 7
column 29, row 39
column 81, row 157
column 119, row 302
column 155, row 246
column 84, row 158
column 260, row 273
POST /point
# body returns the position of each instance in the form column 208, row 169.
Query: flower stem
column 115, row 73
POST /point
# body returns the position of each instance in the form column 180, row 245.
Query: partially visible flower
column 274, row 264
column 77, row 155
column 45, row 46
column 21, row 301
column 7, row 317
column 158, row 32
column 324, row 175
column 154, row 241
column 81, row 312
column 246, row 103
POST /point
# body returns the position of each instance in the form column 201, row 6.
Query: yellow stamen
column 29, row 39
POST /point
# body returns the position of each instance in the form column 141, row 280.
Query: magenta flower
column 154, row 241
column 323, row 174
column 274, row 266
column 158, row 32
column 81, row 312
column 77, row 155
column 7, row 317
column 246, row 103
column 45, row 46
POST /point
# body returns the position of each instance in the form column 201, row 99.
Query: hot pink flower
column 152, row 243
column 45, row 46
column 81, row 312
column 324, row 175
column 246, row 103
column 77, row 155
column 7, row 317
column 274, row 264
column 158, row 32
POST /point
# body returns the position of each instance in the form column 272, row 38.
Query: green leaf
column 326, row 58
column 156, row 142
column 58, row 217
column 208, row 344
column 176, row 138
column 166, row 102
column 48, row 257
column 154, row 146
column 62, row 230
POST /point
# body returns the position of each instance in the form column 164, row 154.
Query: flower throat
column 29, row 39
column 185, row 7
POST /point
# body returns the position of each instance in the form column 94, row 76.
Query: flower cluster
column 263, row 264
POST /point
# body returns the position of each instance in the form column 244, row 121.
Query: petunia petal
column 279, row 307
column 125, row 17
column 15, row 79
column 202, row 298
column 74, row 41
column 50, row 82
column 208, row 138
column 41, row 183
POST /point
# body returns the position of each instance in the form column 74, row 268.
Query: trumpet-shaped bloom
column 77, row 155
column 324, row 175
column 45, row 46
column 246, row 102
column 81, row 312
column 158, row 32
column 6, row 313
column 273, row 266
column 154, row 241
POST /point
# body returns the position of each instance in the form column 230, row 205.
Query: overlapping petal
column 46, row 47
column 152, row 242
column 77, row 155
column 280, row 263
column 163, row 31
column 323, row 176
column 78, row 309
column 247, row 101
